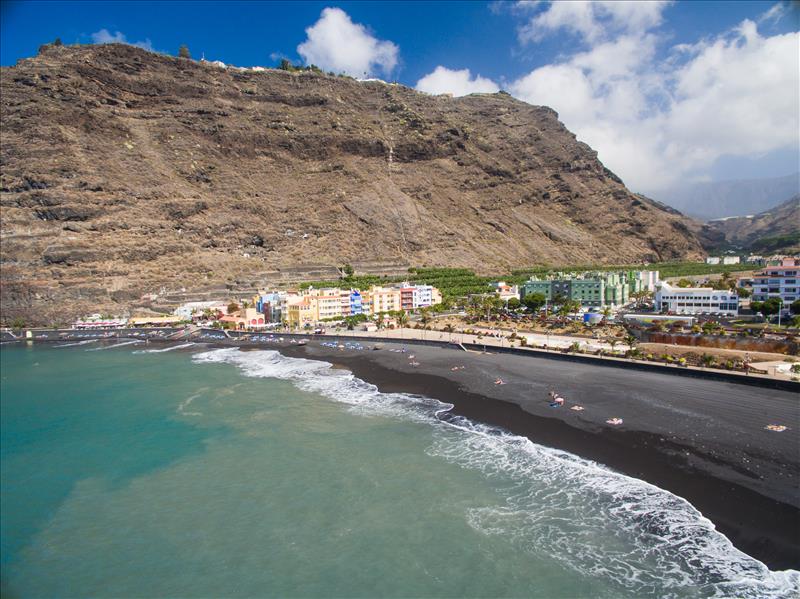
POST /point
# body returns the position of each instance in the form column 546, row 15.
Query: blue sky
column 655, row 87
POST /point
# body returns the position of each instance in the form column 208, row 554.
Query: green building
column 591, row 289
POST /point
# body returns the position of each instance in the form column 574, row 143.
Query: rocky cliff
column 125, row 171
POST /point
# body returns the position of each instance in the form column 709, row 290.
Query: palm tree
column 425, row 317
column 630, row 341
column 402, row 318
column 612, row 341
column 606, row 312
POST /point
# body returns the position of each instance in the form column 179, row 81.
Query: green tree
column 491, row 304
column 513, row 303
column 233, row 307
column 347, row 271
column 630, row 341
column 18, row 323
column 569, row 307
column 183, row 51
column 771, row 306
column 744, row 292
column 402, row 318
column 708, row 360
column 756, row 306
column 794, row 307
column 534, row 301
column 684, row 283
column 425, row 317
column 57, row 42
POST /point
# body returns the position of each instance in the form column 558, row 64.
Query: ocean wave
column 164, row 349
column 84, row 342
column 181, row 409
column 597, row 522
column 121, row 344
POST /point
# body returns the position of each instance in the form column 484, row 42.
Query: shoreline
column 762, row 526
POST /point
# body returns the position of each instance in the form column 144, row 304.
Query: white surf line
column 78, row 343
column 133, row 341
column 160, row 351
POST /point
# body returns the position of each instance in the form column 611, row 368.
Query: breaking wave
column 642, row 539
column 164, row 349
column 121, row 344
column 84, row 342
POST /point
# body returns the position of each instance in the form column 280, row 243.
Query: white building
column 712, row 260
column 696, row 300
column 185, row 311
column 422, row 296
column 649, row 279
column 777, row 281
column 730, row 260
column 506, row 291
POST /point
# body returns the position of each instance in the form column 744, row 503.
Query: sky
column 666, row 92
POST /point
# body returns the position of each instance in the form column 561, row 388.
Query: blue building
column 355, row 302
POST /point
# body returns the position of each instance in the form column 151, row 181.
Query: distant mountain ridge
column 721, row 199
column 773, row 230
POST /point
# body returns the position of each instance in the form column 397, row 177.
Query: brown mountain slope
column 124, row 171
column 781, row 223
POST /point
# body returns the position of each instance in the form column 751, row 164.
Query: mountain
column 722, row 199
column 125, row 172
column 777, row 229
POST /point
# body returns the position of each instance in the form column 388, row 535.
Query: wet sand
column 703, row 440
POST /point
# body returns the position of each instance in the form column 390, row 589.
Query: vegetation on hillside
column 461, row 282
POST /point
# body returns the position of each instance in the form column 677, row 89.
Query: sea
column 133, row 471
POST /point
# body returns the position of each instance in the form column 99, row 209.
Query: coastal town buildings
column 778, row 281
column 695, row 300
column 592, row 289
column 506, row 291
column 312, row 305
column 97, row 321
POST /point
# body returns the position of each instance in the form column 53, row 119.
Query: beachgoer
column 499, row 382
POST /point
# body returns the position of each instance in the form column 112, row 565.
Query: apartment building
column 591, row 289
column 777, row 281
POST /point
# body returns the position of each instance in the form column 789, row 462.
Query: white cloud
column 594, row 21
column 104, row 36
column 774, row 14
column 335, row 43
column 656, row 121
column 459, row 83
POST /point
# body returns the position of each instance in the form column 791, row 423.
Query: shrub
column 183, row 51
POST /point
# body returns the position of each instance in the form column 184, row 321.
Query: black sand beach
column 703, row 440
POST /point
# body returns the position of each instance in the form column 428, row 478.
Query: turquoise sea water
column 208, row 473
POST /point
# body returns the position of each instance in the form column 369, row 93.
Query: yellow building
column 300, row 311
column 328, row 303
column 383, row 299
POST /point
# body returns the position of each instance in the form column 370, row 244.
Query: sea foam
column 121, row 344
column 164, row 349
column 597, row 522
column 84, row 342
